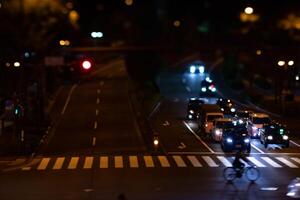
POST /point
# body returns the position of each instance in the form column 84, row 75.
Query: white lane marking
column 68, row 99
column 43, row 164
column 297, row 160
column 98, row 100
column 73, row 163
column 97, row 112
column 198, row 138
column 179, row 161
column 164, row 161
column 271, row 162
column 188, row 88
column 133, row 161
column 59, row 163
column 98, row 91
column 287, row 162
column 294, row 143
column 118, row 162
column 95, row 125
column 148, row 161
column 209, row 161
column 257, row 149
column 269, row 188
column 225, row 162
column 88, row 163
column 103, row 162
column 94, row 141
column 256, row 162
column 195, row 162
column 222, row 153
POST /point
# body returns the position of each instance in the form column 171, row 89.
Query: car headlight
column 285, row 137
column 192, row 69
column 254, row 128
column 222, row 109
column 201, row 69
column 241, row 121
column 270, row 137
column 191, row 111
column 203, row 89
column 213, row 89
column 206, row 125
column 232, row 109
column 218, row 132
column 246, row 140
column 190, row 116
column 229, row 140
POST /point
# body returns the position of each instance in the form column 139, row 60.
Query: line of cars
column 234, row 128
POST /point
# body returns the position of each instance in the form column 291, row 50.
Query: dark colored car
column 274, row 134
column 207, row 88
column 243, row 114
column 227, row 106
column 194, row 107
column 235, row 137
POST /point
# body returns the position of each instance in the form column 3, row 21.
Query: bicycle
column 251, row 172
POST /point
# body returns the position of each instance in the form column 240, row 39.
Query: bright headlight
column 203, row 89
column 218, row 132
column 191, row 111
column 232, row 109
column 229, row 140
column 285, row 137
column 270, row 137
column 247, row 140
column 192, row 69
column 213, row 89
column 201, row 69
column 190, row 116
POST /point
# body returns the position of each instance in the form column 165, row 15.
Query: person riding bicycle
column 237, row 164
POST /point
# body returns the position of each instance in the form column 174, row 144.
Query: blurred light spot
column 177, row 23
column 26, row 54
column 291, row 63
column 281, row 63
column 62, row 43
column 69, row 5
column 248, row 10
column 73, row 17
column 128, row 2
column 67, row 42
column 17, row 64
column 297, row 77
column 7, row 64
column 258, row 52
column 97, row 34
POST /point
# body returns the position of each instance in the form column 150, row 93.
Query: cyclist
column 237, row 164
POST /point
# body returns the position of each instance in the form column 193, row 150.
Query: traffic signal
column 86, row 65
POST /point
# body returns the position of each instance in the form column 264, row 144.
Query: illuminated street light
column 129, row 2
column 96, row 34
column 258, row 52
column 248, row 10
column 291, row 63
column 62, row 43
column 281, row 63
column 17, row 64
column 177, row 23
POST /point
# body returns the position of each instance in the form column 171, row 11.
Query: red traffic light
column 86, row 64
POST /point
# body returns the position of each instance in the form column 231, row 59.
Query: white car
column 218, row 125
column 256, row 122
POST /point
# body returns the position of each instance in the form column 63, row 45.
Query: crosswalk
column 148, row 161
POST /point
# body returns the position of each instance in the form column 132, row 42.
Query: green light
column 281, row 131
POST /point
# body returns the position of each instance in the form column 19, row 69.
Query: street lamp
column 248, row 10
column 281, row 63
column 291, row 63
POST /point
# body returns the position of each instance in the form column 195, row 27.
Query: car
column 257, row 121
column 274, row 133
column 193, row 109
column 235, row 137
column 243, row 114
column 208, row 113
column 218, row 125
column 227, row 106
column 197, row 68
column 207, row 87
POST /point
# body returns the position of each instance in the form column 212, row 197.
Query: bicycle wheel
column 252, row 173
column 229, row 173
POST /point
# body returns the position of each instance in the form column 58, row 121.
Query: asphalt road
column 73, row 165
